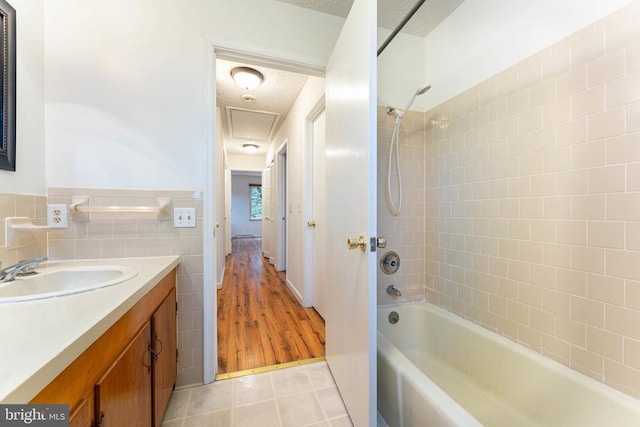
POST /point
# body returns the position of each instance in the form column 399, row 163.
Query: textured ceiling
column 259, row 120
column 391, row 12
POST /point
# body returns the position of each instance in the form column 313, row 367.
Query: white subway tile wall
column 121, row 235
column 533, row 202
column 405, row 232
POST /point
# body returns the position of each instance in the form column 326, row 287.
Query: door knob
column 311, row 224
column 357, row 242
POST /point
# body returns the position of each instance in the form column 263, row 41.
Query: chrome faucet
column 22, row 268
column 392, row 290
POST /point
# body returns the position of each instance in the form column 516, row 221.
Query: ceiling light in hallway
column 247, row 78
column 250, row 148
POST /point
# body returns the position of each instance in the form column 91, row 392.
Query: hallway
column 260, row 322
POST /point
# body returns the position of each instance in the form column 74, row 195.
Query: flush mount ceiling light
column 247, row 78
column 250, row 148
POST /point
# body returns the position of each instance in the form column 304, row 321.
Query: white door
column 273, row 213
column 317, row 225
column 227, row 210
column 266, row 211
column 351, row 212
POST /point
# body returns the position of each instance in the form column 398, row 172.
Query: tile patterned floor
column 302, row 396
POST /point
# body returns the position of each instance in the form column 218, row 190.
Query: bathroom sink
column 55, row 283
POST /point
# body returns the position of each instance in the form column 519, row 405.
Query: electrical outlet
column 57, row 216
column 184, row 217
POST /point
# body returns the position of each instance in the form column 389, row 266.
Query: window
column 255, row 205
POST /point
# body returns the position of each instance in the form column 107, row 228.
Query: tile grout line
column 315, row 393
column 275, row 399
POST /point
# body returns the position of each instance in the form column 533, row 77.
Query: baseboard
column 295, row 291
column 219, row 284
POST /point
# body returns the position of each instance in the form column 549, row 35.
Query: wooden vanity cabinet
column 164, row 355
column 82, row 416
column 123, row 393
column 125, row 378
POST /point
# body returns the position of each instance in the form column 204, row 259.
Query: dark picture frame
column 7, row 86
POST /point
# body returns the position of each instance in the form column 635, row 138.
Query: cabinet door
column 165, row 366
column 83, row 414
column 123, row 393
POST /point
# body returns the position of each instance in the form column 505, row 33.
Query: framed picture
column 7, row 86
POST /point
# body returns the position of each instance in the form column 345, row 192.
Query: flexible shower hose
column 395, row 142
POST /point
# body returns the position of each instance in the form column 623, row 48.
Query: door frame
column 282, row 196
column 213, row 50
column 266, row 208
column 307, row 201
column 227, row 210
column 209, row 285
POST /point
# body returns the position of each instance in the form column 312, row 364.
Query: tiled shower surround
column 533, row 202
column 127, row 235
column 406, row 231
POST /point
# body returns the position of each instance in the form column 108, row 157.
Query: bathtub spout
column 391, row 290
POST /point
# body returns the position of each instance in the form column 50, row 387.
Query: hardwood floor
column 260, row 322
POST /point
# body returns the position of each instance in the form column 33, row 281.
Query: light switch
column 184, row 217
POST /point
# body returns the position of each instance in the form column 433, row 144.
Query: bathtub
column 437, row 369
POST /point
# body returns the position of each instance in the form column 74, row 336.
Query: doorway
column 254, row 331
column 351, row 171
column 314, row 245
column 261, row 324
column 246, row 204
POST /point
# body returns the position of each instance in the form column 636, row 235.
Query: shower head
column 400, row 113
column 422, row 89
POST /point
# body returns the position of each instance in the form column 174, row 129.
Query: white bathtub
column 437, row 369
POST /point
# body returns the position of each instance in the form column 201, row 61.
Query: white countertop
column 39, row 339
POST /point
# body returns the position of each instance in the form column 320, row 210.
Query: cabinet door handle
column 101, row 423
column 161, row 347
column 154, row 352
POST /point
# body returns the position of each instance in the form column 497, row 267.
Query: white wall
column 125, row 82
column 240, row 205
column 293, row 131
column 483, row 37
column 246, row 162
column 401, row 68
column 29, row 177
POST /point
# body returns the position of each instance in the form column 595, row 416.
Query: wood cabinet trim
column 165, row 365
column 76, row 382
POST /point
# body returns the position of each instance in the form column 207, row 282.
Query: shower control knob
column 390, row 262
column 381, row 242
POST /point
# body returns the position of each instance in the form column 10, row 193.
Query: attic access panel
column 249, row 124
